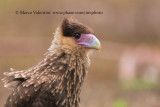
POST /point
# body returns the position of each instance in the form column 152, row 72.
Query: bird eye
column 77, row 36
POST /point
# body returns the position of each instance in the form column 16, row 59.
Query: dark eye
column 77, row 36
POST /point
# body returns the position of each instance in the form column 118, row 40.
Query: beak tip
column 97, row 44
column 97, row 47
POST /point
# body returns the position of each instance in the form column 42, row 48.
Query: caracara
column 56, row 81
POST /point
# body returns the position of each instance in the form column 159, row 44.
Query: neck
column 68, row 70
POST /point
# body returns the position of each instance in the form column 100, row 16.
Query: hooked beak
column 89, row 41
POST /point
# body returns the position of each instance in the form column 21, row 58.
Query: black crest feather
column 70, row 27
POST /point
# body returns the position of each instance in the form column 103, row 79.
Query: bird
column 56, row 81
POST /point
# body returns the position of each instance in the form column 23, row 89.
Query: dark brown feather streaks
column 56, row 82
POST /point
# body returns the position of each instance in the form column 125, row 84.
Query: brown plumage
column 55, row 81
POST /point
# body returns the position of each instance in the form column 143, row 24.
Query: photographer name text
column 58, row 12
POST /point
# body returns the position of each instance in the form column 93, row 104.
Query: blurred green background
column 125, row 73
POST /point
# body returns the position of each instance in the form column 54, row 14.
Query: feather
column 56, row 81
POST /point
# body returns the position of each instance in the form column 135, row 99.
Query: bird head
column 73, row 35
